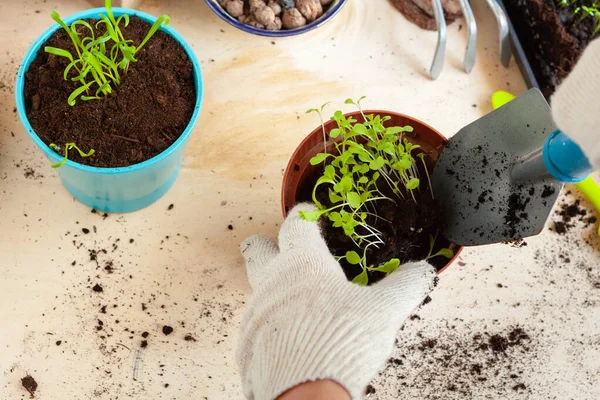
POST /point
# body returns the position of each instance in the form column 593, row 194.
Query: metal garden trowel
column 499, row 177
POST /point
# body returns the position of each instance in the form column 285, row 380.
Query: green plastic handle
column 590, row 189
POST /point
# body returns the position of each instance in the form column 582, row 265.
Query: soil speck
column 189, row 338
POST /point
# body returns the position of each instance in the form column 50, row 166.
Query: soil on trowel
column 553, row 37
column 142, row 118
column 406, row 225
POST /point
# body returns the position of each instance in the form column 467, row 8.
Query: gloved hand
column 576, row 103
column 305, row 321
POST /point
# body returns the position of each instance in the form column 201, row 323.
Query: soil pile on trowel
column 474, row 182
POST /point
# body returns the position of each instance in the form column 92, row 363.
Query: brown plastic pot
column 300, row 176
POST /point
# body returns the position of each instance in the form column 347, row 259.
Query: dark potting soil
column 406, row 235
column 142, row 118
column 552, row 37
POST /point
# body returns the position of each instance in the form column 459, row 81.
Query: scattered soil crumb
column 29, row 384
column 171, row 206
column 370, row 390
column 167, row 330
column 189, row 338
column 97, row 288
column 467, row 361
column 569, row 213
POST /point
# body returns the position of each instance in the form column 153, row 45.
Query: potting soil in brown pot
column 139, row 120
column 407, row 235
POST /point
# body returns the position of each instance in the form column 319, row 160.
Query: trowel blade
column 472, row 180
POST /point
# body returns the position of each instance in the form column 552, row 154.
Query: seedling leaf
column 353, row 200
column 163, row 20
column 312, row 215
column 77, row 92
column 388, row 267
column 412, row 183
column 319, row 158
column 444, row 253
column 353, row 258
column 58, row 52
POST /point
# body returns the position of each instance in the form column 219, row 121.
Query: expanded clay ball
column 275, row 6
column 275, row 15
column 235, row 8
column 256, row 5
column 292, row 18
column 251, row 20
column 310, row 9
column 265, row 15
column 276, row 25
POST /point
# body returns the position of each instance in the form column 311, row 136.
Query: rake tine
column 471, row 52
column 440, row 51
column 505, row 50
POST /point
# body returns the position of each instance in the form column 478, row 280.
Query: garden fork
column 470, row 55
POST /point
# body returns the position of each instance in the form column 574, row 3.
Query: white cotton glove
column 306, row 321
column 576, row 104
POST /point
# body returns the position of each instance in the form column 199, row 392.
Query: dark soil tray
column 138, row 121
column 548, row 40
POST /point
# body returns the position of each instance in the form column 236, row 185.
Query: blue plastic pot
column 121, row 189
column 331, row 12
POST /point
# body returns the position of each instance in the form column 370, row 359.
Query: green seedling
column 445, row 252
column 590, row 11
column 68, row 146
column 319, row 111
column 366, row 155
column 99, row 62
column 363, row 278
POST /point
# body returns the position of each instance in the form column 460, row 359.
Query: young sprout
column 445, row 252
column 585, row 11
column 366, row 155
column 99, row 61
column 422, row 157
column 320, row 113
column 68, row 147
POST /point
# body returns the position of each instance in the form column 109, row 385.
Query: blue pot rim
column 224, row 15
column 93, row 13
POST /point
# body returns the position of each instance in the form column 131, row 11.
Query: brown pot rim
column 290, row 175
